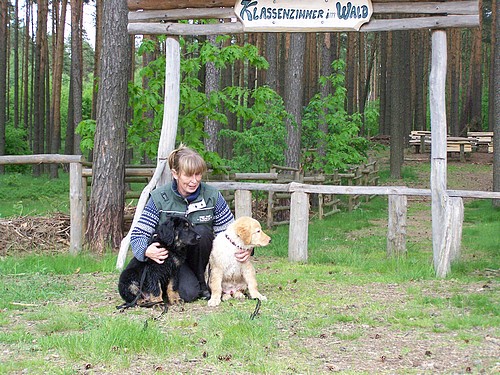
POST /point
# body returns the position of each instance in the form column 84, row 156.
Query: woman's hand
column 242, row 255
column 156, row 252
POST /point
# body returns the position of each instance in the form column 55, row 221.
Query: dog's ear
column 166, row 232
column 244, row 233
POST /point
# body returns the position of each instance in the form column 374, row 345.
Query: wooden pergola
column 161, row 17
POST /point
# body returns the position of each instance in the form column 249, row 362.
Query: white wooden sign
column 300, row 15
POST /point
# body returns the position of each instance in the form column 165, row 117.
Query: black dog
column 149, row 283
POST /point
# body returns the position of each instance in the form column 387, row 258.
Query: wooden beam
column 379, row 6
column 41, row 158
column 447, row 7
column 180, row 14
column 177, row 4
column 237, row 27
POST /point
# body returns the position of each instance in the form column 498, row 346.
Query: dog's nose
column 198, row 237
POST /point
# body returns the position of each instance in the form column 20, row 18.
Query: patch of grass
column 25, row 195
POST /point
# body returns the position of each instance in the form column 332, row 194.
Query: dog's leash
column 127, row 305
column 257, row 308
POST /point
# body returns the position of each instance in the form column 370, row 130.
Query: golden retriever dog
column 226, row 277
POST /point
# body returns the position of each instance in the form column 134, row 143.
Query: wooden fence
column 299, row 206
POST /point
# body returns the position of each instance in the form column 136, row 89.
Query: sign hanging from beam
column 299, row 15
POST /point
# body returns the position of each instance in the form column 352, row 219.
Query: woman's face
column 187, row 185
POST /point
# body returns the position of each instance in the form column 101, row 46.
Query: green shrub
column 16, row 143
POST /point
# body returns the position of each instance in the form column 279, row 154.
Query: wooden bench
column 483, row 140
column 459, row 144
column 420, row 140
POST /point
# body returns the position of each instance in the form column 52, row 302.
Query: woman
column 202, row 204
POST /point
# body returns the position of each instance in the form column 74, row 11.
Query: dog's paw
column 213, row 302
column 205, row 294
column 260, row 297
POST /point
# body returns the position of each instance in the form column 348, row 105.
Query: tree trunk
column 399, row 91
column 385, row 84
column 16, row 64
column 76, row 69
column 311, row 64
column 351, row 72
column 3, row 76
column 496, row 103
column 39, row 84
column 454, row 82
column 325, row 71
column 272, row 59
column 97, row 53
column 26, row 64
column 293, row 96
column 471, row 117
column 56, row 88
column 212, row 83
column 108, row 179
column 419, row 112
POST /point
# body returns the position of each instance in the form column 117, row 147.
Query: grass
column 348, row 309
column 20, row 195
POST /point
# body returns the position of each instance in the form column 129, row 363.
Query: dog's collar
column 236, row 245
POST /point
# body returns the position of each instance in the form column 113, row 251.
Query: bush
column 16, row 143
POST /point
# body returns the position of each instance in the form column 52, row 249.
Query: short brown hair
column 185, row 160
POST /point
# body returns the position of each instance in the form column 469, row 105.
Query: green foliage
column 195, row 106
column 371, row 119
column 263, row 143
column 342, row 143
column 86, row 130
column 16, row 143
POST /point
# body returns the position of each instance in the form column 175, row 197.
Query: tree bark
column 399, row 91
column 352, row 70
column 496, row 102
column 212, row 83
column 76, row 69
column 39, row 84
column 272, row 59
column 106, row 206
column 16, row 64
column 454, row 81
column 293, row 96
column 3, row 76
column 57, row 71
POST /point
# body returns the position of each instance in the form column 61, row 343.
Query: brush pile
column 34, row 234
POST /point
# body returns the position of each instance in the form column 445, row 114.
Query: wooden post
column 457, row 219
column 298, row 231
column 76, row 207
column 167, row 137
column 452, row 236
column 396, row 233
column 440, row 198
column 242, row 203
column 170, row 104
